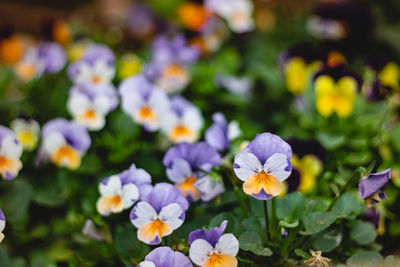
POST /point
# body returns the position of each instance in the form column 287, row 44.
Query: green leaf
column 362, row 232
column 234, row 224
column 301, row 253
column 391, row 261
column 317, row 221
column 18, row 197
column 348, row 204
column 331, row 141
column 292, row 207
column 4, row 260
column 251, row 241
column 286, row 224
column 327, row 241
column 394, row 135
column 365, row 259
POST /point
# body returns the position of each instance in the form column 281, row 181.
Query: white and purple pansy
column 144, row 102
column 263, row 165
column 165, row 257
column 97, row 66
column 187, row 165
column 10, row 154
column 183, row 122
column 2, row 225
column 90, row 104
column 213, row 248
column 121, row 191
column 159, row 213
column 371, row 188
column 65, row 142
column 220, row 134
column 27, row 131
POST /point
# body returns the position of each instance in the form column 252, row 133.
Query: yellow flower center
column 66, row 156
column 89, row 114
column 27, row 139
column 187, row 187
column 96, row 79
column 263, row 180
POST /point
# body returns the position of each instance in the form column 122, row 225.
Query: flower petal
column 170, row 214
column 249, row 165
column 199, row 251
column 143, row 213
column 228, row 244
column 276, row 165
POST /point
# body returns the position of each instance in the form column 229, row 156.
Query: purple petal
column 164, row 194
column 374, row 183
column 166, row 257
column 212, row 236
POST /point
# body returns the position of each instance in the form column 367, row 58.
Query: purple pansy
column 160, row 212
column 187, row 165
column 220, row 134
column 65, row 142
column 263, row 165
column 208, row 247
column 165, row 257
column 371, row 188
column 144, row 102
column 2, row 225
column 10, row 154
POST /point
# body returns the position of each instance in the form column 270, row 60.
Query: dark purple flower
column 371, row 188
column 220, row 134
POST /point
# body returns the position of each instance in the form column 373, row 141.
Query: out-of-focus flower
column 46, row 57
column 371, row 188
column 299, row 62
column 160, row 212
column 76, row 50
column 27, row 131
column 170, row 61
column 96, row 66
column 373, row 216
column 89, row 104
column 89, row 229
column 12, row 45
column 263, row 165
column 65, row 142
column 238, row 13
column 165, row 257
column 187, row 166
column 58, row 30
column 213, row 248
column 317, row 259
column 129, row 65
column 2, row 225
column 10, row 153
column 140, row 22
column 235, row 85
column 335, row 90
column 211, row 36
column 121, row 191
column 220, row 134
column 183, row 122
column 145, row 103
column 193, row 15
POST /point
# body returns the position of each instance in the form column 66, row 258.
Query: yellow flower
column 335, row 96
column 390, row 75
column 129, row 65
column 309, row 168
column 298, row 74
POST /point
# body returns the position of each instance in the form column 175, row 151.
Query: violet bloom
column 46, row 57
column 235, row 85
column 65, row 142
column 144, row 102
column 183, row 122
column 187, row 165
column 220, row 134
column 121, row 191
column 169, row 65
column 90, row 104
column 2, row 225
column 160, row 212
column 213, row 248
column 10, row 154
column 165, row 257
column 96, row 66
column 263, row 165
column 371, row 188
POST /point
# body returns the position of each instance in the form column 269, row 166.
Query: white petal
column 52, row 142
column 199, row 251
column 113, row 186
column 18, row 125
column 180, row 171
column 168, row 121
column 147, row 264
column 170, row 214
column 2, row 225
column 233, row 130
column 276, row 165
column 227, row 244
column 101, row 104
column 77, row 103
column 192, row 118
column 132, row 102
column 130, row 193
column 145, row 214
column 10, row 148
column 249, row 165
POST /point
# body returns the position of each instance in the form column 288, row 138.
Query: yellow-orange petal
column 221, row 260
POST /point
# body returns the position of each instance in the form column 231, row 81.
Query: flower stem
column 237, row 193
column 266, row 220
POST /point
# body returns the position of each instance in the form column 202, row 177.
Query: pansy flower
column 27, row 131
column 193, row 15
column 10, row 153
column 235, row 85
column 187, row 165
column 90, row 104
column 335, row 90
column 46, row 57
column 65, row 142
column 140, row 21
column 371, row 188
column 183, row 121
column 2, row 225
column 169, row 65
column 165, row 257
column 220, row 134
column 213, row 248
column 12, row 46
column 129, row 65
column 263, row 165
column 96, row 66
column 377, row 218
column 121, row 191
column 159, row 213
column 238, row 13
column 144, row 102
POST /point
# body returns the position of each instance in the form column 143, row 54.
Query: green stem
column 267, row 220
column 237, row 193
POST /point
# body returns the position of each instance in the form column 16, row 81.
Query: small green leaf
column 301, row 253
column 317, row 221
column 391, row 261
column 251, row 241
column 362, row 232
column 365, row 259
column 348, row 204
column 328, row 241
column 292, row 207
